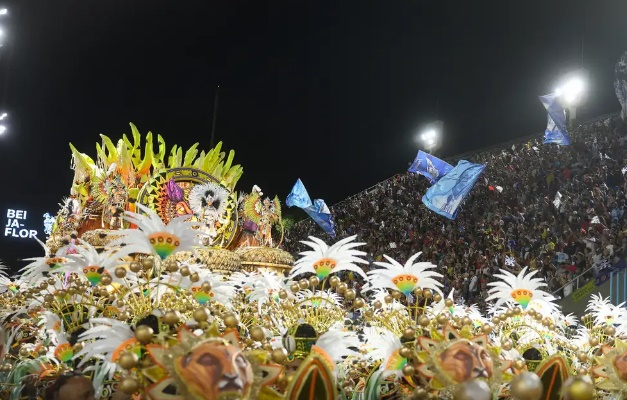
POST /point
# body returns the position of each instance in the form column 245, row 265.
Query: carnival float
column 159, row 281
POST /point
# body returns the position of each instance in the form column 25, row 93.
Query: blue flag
column 556, row 131
column 447, row 194
column 317, row 210
column 430, row 166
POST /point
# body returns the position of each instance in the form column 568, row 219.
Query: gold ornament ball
column 593, row 341
column 77, row 347
column 578, row 389
column 582, row 356
column 369, row 313
column 437, row 297
column 334, row 281
column 507, row 345
column 314, row 281
column 531, row 312
column 473, row 390
column 377, row 304
column 424, row 321
column 520, row 364
column 610, row 331
column 526, row 386
column 106, row 280
column 448, row 303
column 172, row 266
column 359, row 303
column 517, row 311
column 419, row 394
column 582, row 371
column 303, row 284
column 257, row 334
column 442, row 319
column 388, row 298
column 43, row 285
column 48, row 298
column 282, row 294
column 194, row 277
column 120, row 272
column 427, row 293
column 342, row 287
column 185, row 271
column 350, row 294
column 405, row 352
column 279, row 355
column 409, row 370
column 231, row 321
column 294, row 287
column 466, row 321
column 62, row 293
column 201, row 314
column 24, row 352
column 135, row 267
column 148, row 264
column 397, row 295
column 409, row 333
column 487, row 329
column 206, row 287
column 129, row 385
column 171, row 317
column 44, row 350
column 128, row 360
column 496, row 321
column 509, row 313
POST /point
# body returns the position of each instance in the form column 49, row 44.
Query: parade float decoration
column 160, row 282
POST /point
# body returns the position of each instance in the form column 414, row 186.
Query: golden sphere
column 282, row 294
column 496, row 321
column 388, row 298
column 135, row 267
column 473, row 390
column 128, row 360
column 593, row 341
column 194, row 277
column 578, row 389
column 369, row 313
column 531, row 312
column 424, row 321
column 120, row 302
column 610, row 331
column 77, row 347
column 442, row 319
column 63, row 293
column 143, row 333
column 129, row 385
column 106, row 280
column 314, row 281
column 520, row 364
column 303, row 284
column 437, row 297
column 172, row 266
column 185, row 271
column 43, row 350
column 404, row 352
column 206, row 287
column 507, row 344
column 526, row 386
column 341, row 288
column 148, row 264
column 294, row 287
column 517, row 311
column 397, row 295
column 350, row 294
column 466, row 321
column 419, row 394
column 120, row 272
column 231, row 321
column 334, row 281
column 509, row 313
column 409, row 370
column 487, row 329
column 71, row 291
column 257, row 334
column 551, row 327
column 171, row 317
column 201, row 314
column 377, row 304
column 48, row 298
column 427, row 293
column 582, row 356
column 448, row 303
column 279, row 355
column 43, row 285
column 359, row 303
column 24, row 352
column 582, row 371
column 409, row 334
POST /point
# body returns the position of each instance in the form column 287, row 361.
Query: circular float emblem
column 194, row 193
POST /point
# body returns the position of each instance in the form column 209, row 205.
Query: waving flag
column 317, row 210
column 430, row 166
column 447, row 194
column 556, row 127
column 620, row 84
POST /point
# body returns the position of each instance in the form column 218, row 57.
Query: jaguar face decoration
column 214, row 371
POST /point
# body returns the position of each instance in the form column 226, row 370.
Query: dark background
column 332, row 92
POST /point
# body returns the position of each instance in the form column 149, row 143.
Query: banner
column 583, row 291
column 556, row 131
column 317, row 210
column 447, row 194
column 430, row 166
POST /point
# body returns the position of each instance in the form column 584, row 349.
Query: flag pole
column 215, row 114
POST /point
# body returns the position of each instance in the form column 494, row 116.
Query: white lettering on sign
column 16, row 225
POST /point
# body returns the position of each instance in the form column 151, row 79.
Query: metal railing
column 574, row 280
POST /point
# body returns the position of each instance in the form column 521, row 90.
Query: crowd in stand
column 559, row 210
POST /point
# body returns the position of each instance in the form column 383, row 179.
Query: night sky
column 332, row 92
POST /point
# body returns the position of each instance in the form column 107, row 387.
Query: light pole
column 571, row 91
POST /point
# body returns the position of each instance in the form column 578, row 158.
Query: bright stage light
column 2, row 129
column 3, row 11
column 571, row 91
column 3, row 116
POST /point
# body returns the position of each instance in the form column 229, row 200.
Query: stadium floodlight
column 430, row 135
column 3, row 11
column 571, row 91
column 2, row 129
column 3, row 116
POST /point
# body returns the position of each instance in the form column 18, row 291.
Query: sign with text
column 16, row 225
